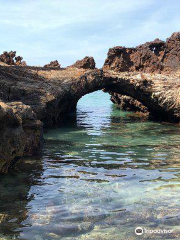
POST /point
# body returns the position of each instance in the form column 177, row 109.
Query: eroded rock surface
column 128, row 103
column 152, row 57
column 32, row 128
column 85, row 63
column 20, row 134
column 52, row 94
column 10, row 58
column 148, row 75
column 53, row 64
column 12, row 137
column 160, row 93
column 171, row 57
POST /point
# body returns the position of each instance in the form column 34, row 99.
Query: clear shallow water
column 99, row 178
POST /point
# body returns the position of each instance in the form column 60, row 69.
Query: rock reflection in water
column 15, row 196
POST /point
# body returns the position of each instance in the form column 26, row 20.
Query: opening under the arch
column 94, row 110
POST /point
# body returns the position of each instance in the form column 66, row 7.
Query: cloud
column 44, row 15
column 44, row 30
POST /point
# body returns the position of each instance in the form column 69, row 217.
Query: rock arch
column 50, row 95
column 159, row 93
column 32, row 96
column 53, row 93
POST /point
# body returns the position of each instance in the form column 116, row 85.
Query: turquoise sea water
column 99, row 178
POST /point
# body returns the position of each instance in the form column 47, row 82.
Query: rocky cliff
column 152, row 57
column 20, row 134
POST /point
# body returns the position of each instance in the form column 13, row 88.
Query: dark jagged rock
column 152, row 57
column 85, row 63
column 19, row 61
column 10, row 58
column 128, row 103
column 171, row 57
column 146, row 57
column 119, row 59
column 53, row 64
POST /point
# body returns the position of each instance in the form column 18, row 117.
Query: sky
column 68, row 30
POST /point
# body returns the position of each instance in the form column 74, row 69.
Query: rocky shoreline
column 145, row 79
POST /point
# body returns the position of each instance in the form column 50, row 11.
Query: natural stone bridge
column 35, row 96
column 52, row 94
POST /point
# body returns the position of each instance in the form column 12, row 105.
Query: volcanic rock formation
column 86, row 63
column 20, row 133
column 128, row 103
column 10, row 58
column 12, row 137
column 152, row 57
column 32, row 96
column 53, row 64
column 52, row 94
